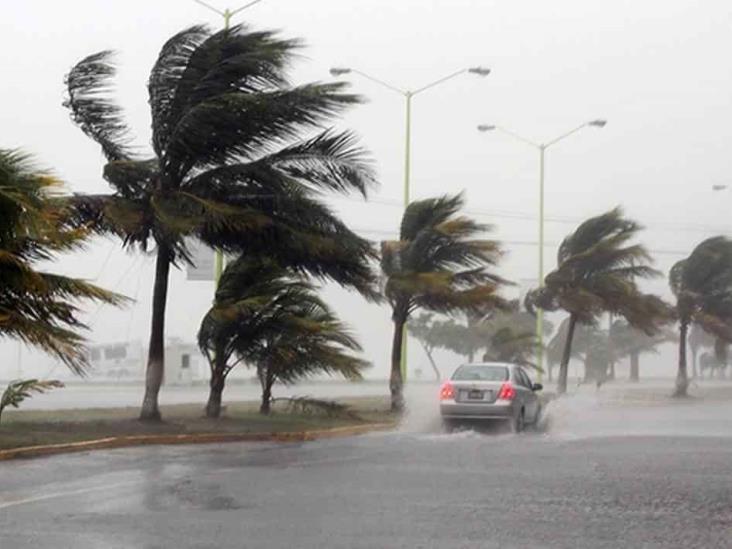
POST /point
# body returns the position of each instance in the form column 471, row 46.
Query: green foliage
column 437, row 264
column 38, row 307
column 234, row 164
column 272, row 319
column 702, row 285
column 17, row 391
column 598, row 272
column 231, row 166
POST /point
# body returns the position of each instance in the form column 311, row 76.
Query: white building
column 126, row 361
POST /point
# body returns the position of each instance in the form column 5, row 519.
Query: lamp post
column 227, row 14
column 542, row 147
column 408, row 96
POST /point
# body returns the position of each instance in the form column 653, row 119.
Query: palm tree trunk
column 564, row 365
column 156, row 350
column 216, row 385
column 635, row 366
column 268, row 380
column 396, row 386
column 694, row 372
column 682, row 379
column 432, row 361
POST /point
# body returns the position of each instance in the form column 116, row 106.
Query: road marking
column 35, row 499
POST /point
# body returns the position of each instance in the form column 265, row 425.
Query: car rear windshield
column 481, row 373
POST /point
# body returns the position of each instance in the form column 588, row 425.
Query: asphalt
column 556, row 487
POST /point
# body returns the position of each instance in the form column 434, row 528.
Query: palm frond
column 88, row 85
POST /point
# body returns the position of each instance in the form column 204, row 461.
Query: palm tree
column 702, row 285
column 38, row 307
column 230, row 165
column 436, row 265
column 268, row 317
column 597, row 272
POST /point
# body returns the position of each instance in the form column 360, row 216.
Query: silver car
column 490, row 391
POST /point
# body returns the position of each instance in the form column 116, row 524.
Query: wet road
column 564, row 488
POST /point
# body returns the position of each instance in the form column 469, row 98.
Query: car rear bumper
column 463, row 410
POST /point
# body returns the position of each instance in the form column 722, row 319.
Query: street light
column 542, row 147
column 408, row 95
column 227, row 14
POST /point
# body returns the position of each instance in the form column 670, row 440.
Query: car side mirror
column 537, row 387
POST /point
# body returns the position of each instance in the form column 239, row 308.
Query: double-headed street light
column 542, row 147
column 227, row 14
column 408, row 95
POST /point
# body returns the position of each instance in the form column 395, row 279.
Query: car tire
column 518, row 423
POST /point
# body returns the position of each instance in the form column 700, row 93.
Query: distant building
column 184, row 363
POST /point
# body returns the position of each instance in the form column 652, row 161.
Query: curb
column 195, row 438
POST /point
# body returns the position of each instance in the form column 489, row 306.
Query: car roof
column 503, row 364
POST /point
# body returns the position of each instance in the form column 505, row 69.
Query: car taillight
column 507, row 392
column 447, row 391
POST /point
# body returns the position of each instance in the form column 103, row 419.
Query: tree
column 38, row 307
column 230, row 165
column 698, row 339
column 597, row 272
column 436, row 265
column 589, row 344
column 430, row 334
column 628, row 341
column 510, row 336
column 702, row 285
column 268, row 317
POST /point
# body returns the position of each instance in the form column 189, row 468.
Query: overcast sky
column 657, row 70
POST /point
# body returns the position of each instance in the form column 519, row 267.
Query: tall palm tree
column 702, row 285
column 267, row 317
column 597, row 272
column 38, row 307
column 232, row 164
column 437, row 265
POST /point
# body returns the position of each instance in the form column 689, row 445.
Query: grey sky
column 654, row 69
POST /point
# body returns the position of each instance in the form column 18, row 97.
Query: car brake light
column 447, row 391
column 507, row 392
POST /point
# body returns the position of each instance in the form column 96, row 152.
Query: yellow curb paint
column 201, row 438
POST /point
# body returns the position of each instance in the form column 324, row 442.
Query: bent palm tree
column 267, row 317
column 436, row 265
column 702, row 284
column 230, row 166
column 38, row 307
column 597, row 272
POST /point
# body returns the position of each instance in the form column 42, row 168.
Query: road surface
column 567, row 487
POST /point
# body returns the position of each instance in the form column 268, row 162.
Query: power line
column 533, row 243
column 527, row 216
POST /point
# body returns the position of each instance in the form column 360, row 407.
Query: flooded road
column 595, row 477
